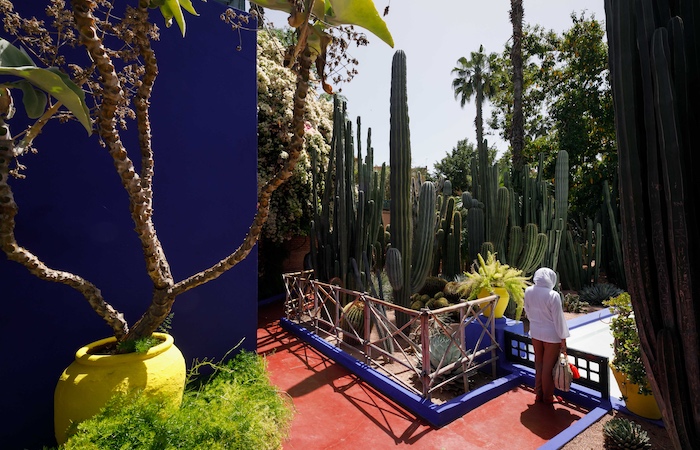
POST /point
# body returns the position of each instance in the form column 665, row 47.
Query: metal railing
column 410, row 348
column 592, row 368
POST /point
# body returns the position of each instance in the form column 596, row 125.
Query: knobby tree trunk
column 138, row 186
column 517, row 138
column 654, row 64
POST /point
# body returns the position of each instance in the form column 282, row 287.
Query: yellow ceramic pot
column 91, row 380
column 501, row 304
column 639, row 404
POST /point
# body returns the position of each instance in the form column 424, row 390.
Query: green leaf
column 167, row 15
column 187, row 6
column 328, row 8
column 11, row 56
column 173, row 9
column 362, row 13
column 34, row 100
column 16, row 62
column 58, row 86
column 174, row 6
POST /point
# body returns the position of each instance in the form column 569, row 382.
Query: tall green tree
column 456, row 166
column 567, row 105
column 583, row 113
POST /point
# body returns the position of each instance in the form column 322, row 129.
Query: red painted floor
column 335, row 410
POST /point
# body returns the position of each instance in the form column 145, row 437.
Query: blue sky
column 433, row 39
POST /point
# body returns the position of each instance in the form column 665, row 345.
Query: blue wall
column 204, row 125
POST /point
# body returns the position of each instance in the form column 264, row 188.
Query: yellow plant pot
column 639, row 404
column 92, row 380
column 501, row 304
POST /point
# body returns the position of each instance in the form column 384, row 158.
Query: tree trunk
column 517, row 138
column 653, row 62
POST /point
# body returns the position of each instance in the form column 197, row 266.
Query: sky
column 433, row 39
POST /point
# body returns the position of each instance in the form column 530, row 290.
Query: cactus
column 476, row 233
column 422, row 251
column 515, row 244
column 400, row 178
column 456, row 252
column 500, row 223
column 353, row 319
column 561, row 198
column 348, row 225
column 618, row 261
column 486, row 248
column 432, row 286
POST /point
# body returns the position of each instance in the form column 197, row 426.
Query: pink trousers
column 546, row 355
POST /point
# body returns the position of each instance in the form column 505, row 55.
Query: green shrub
column 235, row 408
column 627, row 350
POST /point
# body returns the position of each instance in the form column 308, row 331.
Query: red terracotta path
column 335, row 410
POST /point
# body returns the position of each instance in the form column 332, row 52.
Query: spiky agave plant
column 623, row 434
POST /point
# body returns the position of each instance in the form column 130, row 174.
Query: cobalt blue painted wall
column 204, row 125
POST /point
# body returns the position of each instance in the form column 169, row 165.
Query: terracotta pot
column 639, row 404
column 92, row 380
column 501, row 304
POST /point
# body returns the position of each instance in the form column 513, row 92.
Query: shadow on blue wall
column 74, row 215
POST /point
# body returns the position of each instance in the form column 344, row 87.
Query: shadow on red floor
column 335, row 410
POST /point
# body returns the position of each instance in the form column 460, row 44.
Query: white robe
column 543, row 308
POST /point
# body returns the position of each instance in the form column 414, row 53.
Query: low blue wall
column 74, row 215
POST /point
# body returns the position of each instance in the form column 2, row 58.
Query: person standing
column 548, row 330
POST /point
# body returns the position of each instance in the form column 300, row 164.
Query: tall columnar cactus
column 422, row 246
column 412, row 253
column 617, row 248
column 499, row 227
column 655, row 70
column 561, row 198
column 400, row 177
column 476, row 233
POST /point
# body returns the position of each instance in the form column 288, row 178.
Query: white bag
column 562, row 374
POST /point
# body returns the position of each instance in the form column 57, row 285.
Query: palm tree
column 517, row 140
column 473, row 77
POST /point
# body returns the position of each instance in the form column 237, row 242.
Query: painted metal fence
column 592, row 368
column 430, row 348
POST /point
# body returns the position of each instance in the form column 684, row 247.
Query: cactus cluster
column 440, row 299
column 654, row 58
column 447, row 259
column 348, row 237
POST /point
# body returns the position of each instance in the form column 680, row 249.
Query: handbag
column 562, row 374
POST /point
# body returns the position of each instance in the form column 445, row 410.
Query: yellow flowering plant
column 491, row 273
